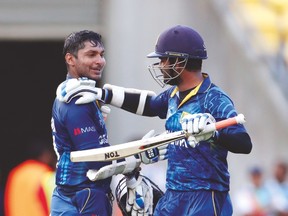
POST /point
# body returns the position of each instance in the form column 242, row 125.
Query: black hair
column 76, row 40
column 194, row 64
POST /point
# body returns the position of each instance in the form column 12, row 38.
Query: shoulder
column 71, row 110
column 218, row 103
column 217, row 94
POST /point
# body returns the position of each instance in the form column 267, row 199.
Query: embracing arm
column 129, row 99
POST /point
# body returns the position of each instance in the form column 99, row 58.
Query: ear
column 70, row 59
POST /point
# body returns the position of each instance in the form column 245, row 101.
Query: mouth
column 96, row 70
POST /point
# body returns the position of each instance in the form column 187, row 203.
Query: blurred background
column 247, row 45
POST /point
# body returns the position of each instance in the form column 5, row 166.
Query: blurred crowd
column 266, row 22
column 264, row 195
column 265, row 27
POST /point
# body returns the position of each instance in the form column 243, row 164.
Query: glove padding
column 83, row 87
column 139, row 196
column 127, row 166
column 156, row 154
column 195, row 124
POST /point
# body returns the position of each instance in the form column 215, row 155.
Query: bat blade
column 125, row 149
column 135, row 147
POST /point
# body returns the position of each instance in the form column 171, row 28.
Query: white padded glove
column 123, row 167
column 139, row 196
column 194, row 124
column 156, row 154
column 105, row 111
column 83, row 87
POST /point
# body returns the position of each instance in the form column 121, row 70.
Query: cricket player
column 84, row 188
column 197, row 178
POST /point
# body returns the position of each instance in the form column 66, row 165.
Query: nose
column 99, row 59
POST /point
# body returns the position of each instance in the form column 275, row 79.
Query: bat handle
column 239, row 119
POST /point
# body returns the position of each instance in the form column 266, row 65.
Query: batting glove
column 124, row 167
column 156, row 154
column 195, row 124
column 139, row 196
column 83, row 87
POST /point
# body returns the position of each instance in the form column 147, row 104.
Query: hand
column 195, row 124
column 83, row 87
column 139, row 196
column 156, row 154
column 126, row 166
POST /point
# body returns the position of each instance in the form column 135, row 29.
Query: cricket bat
column 123, row 150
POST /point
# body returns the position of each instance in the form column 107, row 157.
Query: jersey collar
column 201, row 88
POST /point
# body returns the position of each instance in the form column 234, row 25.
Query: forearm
column 236, row 143
column 129, row 99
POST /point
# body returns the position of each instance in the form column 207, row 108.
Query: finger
column 184, row 122
column 147, row 202
column 85, row 98
column 131, row 196
column 196, row 124
column 61, row 90
column 150, row 209
column 190, row 124
column 139, row 212
column 134, row 212
column 71, row 84
column 139, row 201
column 63, row 87
column 149, row 134
column 163, row 152
column 87, row 82
column 149, row 198
column 129, row 200
column 163, row 147
column 203, row 122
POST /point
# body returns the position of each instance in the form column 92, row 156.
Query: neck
column 190, row 80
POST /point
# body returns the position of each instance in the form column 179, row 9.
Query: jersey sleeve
column 158, row 105
column 234, row 138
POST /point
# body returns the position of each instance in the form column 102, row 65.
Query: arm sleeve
column 141, row 102
column 236, row 143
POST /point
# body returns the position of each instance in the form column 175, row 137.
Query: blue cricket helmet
column 179, row 41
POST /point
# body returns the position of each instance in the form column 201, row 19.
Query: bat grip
column 239, row 119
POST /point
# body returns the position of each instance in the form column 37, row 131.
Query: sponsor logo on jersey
column 103, row 139
column 78, row 131
column 181, row 143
